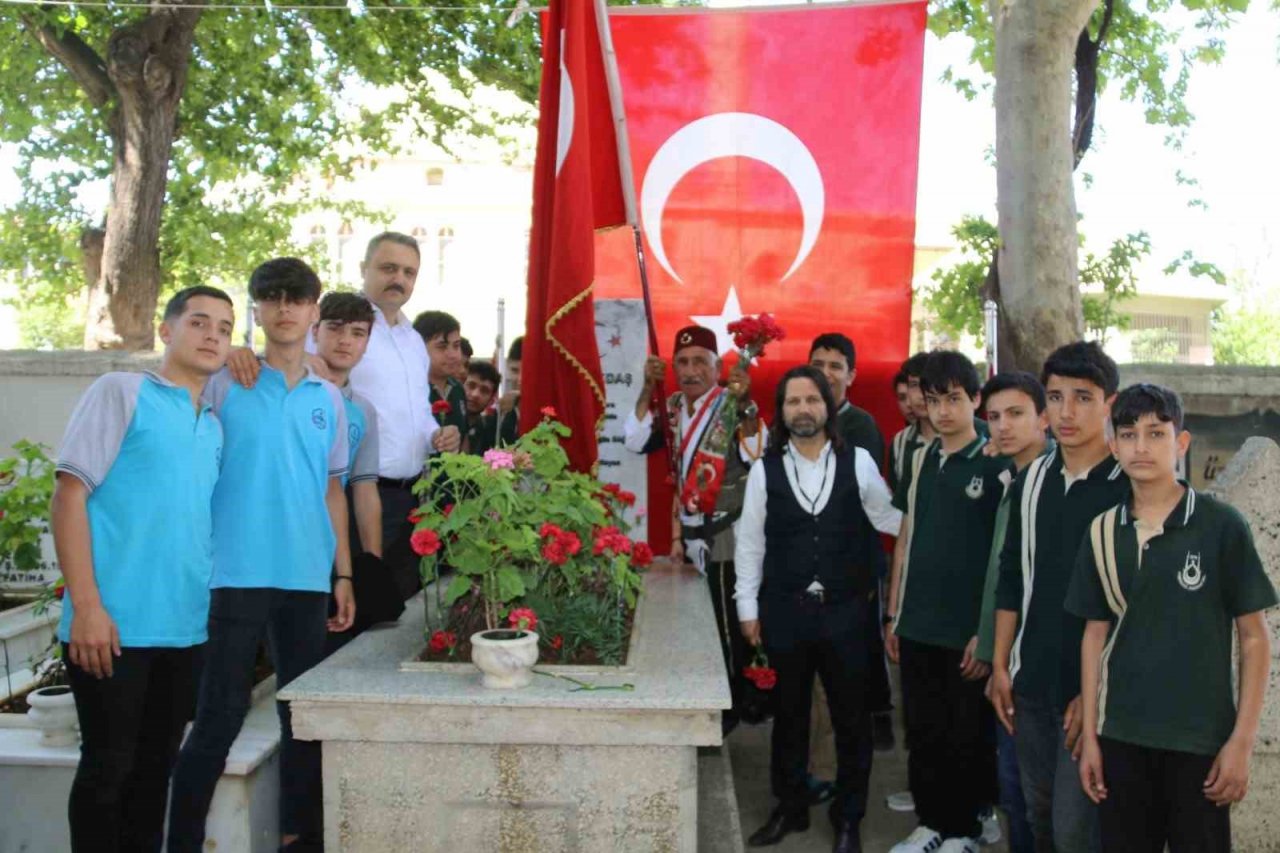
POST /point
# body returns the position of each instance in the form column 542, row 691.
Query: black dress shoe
column 780, row 825
column 847, row 839
column 882, row 739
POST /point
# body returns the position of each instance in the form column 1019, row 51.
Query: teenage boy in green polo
column 918, row 431
column 442, row 334
column 1015, row 407
column 1036, row 659
column 950, row 493
column 1161, row 579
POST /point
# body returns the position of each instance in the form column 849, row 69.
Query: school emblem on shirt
column 318, row 419
column 353, row 434
column 975, row 488
column 1191, row 577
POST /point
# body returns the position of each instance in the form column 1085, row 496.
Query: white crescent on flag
column 732, row 135
column 564, row 127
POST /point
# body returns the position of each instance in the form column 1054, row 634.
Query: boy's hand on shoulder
column 1072, row 724
column 321, row 368
column 1095, row 788
column 244, row 366
column 1228, row 779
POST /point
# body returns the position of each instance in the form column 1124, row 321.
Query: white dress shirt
column 811, row 482
column 636, row 433
column 393, row 377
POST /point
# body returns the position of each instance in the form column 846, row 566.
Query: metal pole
column 991, row 315
column 248, row 320
column 501, row 365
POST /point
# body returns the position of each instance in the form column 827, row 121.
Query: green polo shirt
column 1165, row 681
column 987, row 622
column 457, row 399
column 482, row 433
column 1046, row 523
column 859, row 429
column 952, row 501
column 904, row 445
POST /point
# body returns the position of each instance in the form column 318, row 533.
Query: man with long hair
column 806, row 569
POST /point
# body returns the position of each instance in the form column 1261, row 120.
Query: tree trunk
column 1039, row 291
column 147, row 63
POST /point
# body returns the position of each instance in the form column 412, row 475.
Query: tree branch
column 76, row 56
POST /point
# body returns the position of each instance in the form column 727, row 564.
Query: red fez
column 695, row 336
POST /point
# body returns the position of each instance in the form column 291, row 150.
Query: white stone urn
column 53, row 711
column 506, row 657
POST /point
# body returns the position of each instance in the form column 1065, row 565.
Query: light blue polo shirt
column 362, row 435
column 270, row 522
column 150, row 462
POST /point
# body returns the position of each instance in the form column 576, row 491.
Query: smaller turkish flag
column 577, row 188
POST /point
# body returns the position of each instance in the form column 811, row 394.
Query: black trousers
column 294, row 623
column 397, row 502
column 721, row 579
column 1156, row 797
column 804, row 638
column 130, row 727
column 951, row 768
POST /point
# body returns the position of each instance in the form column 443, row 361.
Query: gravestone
column 1251, row 483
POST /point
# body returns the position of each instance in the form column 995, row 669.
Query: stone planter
column 506, row 657
column 548, row 768
column 53, row 712
column 25, row 637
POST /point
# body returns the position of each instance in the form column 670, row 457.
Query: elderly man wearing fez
column 714, row 435
column 806, row 558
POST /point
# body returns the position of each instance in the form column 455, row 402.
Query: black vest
column 834, row 547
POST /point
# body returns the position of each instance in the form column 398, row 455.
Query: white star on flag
column 731, row 313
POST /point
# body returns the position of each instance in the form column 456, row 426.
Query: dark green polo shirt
column 903, row 447
column 859, row 429
column 952, row 504
column 457, row 398
column 1046, row 523
column 1165, row 681
column 482, row 433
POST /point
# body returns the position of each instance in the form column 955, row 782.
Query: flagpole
column 500, row 357
column 614, row 83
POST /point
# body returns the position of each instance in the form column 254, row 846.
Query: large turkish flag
column 775, row 154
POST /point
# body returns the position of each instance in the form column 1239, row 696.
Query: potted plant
column 26, row 489
column 526, row 538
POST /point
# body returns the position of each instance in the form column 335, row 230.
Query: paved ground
column 881, row 829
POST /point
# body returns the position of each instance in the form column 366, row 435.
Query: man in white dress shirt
column 805, row 560
column 714, row 435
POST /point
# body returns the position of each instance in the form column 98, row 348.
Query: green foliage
column 956, row 295
column 581, row 622
column 1246, row 336
column 1147, row 52
column 491, row 516
column 26, row 490
column 271, row 95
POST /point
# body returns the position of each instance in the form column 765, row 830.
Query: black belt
column 822, row 597
column 392, row 483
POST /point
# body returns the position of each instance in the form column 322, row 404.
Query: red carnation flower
column 612, row 488
column 60, row 590
column 441, row 407
column 443, row 641
column 549, row 529
column 641, row 554
column 425, row 542
column 557, row 642
column 522, row 619
column 555, row 553
column 570, row 541
column 415, row 514
column 628, row 498
column 548, row 412
column 447, row 511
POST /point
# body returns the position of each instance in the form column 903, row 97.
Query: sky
column 1230, row 149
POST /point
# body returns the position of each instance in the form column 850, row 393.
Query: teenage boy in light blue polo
column 132, row 526
column 279, row 531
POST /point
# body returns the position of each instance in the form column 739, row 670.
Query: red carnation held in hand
column 441, row 407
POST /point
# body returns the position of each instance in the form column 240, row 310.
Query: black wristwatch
column 887, row 619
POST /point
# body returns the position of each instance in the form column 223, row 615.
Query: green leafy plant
column 517, row 521
column 26, row 490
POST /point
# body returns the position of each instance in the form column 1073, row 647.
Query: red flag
column 576, row 189
column 775, row 154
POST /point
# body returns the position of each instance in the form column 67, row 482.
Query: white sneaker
column 959, row 845
column 922, row 840
column 901, row 802
column 991, row 832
